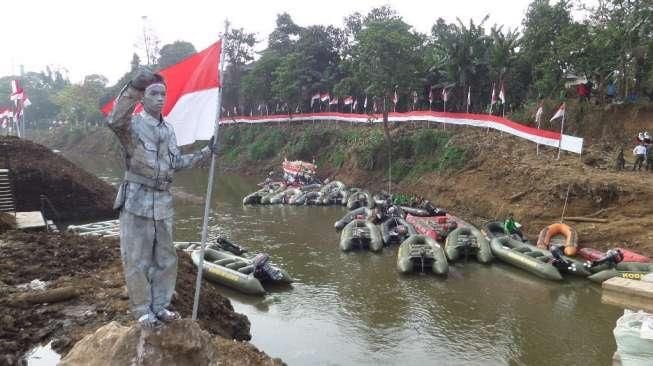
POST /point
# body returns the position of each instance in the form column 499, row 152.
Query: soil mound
column 74, row 193
column 93, row 269
column 179, row 343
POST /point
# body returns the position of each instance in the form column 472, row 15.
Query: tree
column 239, row 50
column 280, row 39
column 172, row 53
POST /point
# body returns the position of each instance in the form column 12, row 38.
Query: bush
column 266, row 146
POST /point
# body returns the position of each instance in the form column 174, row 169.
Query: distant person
column 611, row 92
column 144, row 199
column 512, row 227
column 640, row 155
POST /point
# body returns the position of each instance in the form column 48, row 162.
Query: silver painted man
column 146, row 213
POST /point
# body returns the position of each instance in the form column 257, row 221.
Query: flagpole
column 562, row 127
column 538, row 144
column 209, row 186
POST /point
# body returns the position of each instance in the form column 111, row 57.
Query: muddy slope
column 36, row 170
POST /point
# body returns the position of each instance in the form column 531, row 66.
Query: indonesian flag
column 333, row 101
column 26, row 102
column 348, row 101
column 431, row 95
column 445, row 94
column 365, row 103
column 355, row 104
column 415, row 97
column 538, row 114
column 469, row 96
column 192, row 87
column 494, row 96
column 314, row 98
column 395, row 99
column 559, row 113
column 17, row 92
column 502, row 95
column 325, row 97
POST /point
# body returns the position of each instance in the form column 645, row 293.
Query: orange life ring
column 570, row 234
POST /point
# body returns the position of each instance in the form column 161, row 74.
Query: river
column 355, row 309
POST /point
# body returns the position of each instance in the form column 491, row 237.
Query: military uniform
column 145, row 202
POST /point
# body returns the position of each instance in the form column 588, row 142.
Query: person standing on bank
column 144, row 200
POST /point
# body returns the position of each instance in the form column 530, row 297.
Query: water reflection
column 354, row 308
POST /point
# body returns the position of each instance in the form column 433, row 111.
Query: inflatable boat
column 522, row 256
column 420, row 253
column 395, row 230
column 466, row 242
column 361, row 234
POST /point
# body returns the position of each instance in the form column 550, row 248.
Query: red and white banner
column 191, row 105
column 543, row 137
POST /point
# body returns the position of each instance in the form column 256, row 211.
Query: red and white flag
column 333, row 101
column 191, row 95
column 559, row 113
column 17, row 92
column 314, row 98
column 325, row 97
column 494, row 96
column 348, row 101
column 538, row 114
column 353, row 107
column 431, row 95
column 469, row 96
column 502, row 95
column 365, row 103
column 395, row 99
column 445, row 94
column 26, row 102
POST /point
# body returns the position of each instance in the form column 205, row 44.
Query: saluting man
column 144, row 200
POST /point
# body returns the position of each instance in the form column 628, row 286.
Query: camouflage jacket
column 151, row 158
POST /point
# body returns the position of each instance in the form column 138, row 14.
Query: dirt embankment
column 35, row 171
column 92, row 270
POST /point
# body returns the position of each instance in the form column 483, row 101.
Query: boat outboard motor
column 559, row 261
column 225, row 244
column 263, row 268
column 611, row 258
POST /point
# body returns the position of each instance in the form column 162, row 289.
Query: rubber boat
column 436, row 227
column 523, row 256
column 361, row 234
column 272, row 189
column 359, row 213
column 286, row 196
column 395, row 230
column 629, row 270
column 308, row 198
column 568, row 234
column 467, row 241
column 360, row 199
column 420, row 253
column 337, row 197
column 255, row 197
column 592, row 254
column 237, row 272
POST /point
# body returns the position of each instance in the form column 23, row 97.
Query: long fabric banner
column 543, row 137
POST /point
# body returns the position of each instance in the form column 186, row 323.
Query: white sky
column 88, row 37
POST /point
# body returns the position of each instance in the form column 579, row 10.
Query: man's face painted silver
column 153, row 99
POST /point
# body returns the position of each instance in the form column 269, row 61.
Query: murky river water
column 355, row 309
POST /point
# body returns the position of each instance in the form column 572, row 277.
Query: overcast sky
column 87, row 37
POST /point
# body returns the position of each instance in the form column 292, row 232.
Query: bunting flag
column 192, row 87
column 502, row 95
column 314, row 98
column 538, row 114
column 325, row 97
column 559, row 113
column 469, row 97
column 348, row 100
